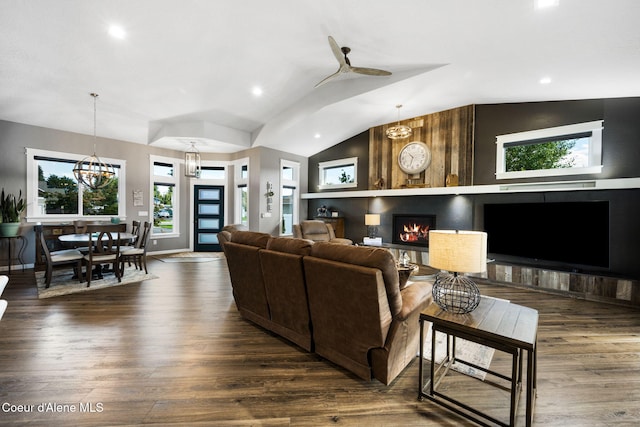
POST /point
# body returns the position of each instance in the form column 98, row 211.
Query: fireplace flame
column 414, row 232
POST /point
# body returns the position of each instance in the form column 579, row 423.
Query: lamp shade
column 458, row 251
column 372, row 219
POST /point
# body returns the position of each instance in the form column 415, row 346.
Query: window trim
column 512, row 139
column 31, row 193
column 295, row 185
column 238, row 183
column 349, row 161
column 166, row 180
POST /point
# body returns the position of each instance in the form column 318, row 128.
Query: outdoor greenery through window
column 165, row 197
column 50, row 177
column 241, row 168
column 338, row 173
column 564, row 150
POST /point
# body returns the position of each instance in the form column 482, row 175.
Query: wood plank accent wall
column 449, row 135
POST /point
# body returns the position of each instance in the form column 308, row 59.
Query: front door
column 209, row 217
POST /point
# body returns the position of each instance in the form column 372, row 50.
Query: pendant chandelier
column 92, row 172
column 192, row 166
column 399, row 131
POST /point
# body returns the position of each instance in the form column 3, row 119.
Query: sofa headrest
column 313, row 227
column 290, row 246
column 235, row 227
column 378, row 258
column 250, row 238
column 224, row 236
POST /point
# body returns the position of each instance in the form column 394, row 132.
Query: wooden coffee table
column 496, row 323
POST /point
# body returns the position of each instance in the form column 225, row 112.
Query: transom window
column 563, row 150
column 54, row 193
column 342, row 173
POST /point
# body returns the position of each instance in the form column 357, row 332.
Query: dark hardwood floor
column 174, row 351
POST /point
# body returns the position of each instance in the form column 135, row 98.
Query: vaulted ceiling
column 186, row 70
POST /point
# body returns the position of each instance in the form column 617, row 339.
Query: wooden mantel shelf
column 593, row 184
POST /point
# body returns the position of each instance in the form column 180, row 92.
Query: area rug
column 63, row 282
column 466, row 350
column 190, row 257
column 469, row 351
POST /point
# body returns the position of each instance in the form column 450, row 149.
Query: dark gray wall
column 357, row 146
column 621, row 135
column 621, row 159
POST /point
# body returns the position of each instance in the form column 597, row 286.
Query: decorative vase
column 9, row 229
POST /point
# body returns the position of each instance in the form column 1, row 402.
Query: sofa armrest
column 341, row 241
column 414, row 297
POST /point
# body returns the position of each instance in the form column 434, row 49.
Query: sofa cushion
column 250, row 238
column 290, row 246
column 378, row 258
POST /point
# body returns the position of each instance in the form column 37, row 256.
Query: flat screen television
column 570, row 234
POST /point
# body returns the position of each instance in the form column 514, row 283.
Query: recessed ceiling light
column 545, row 80
column 117, row 32
column 257, row 91
column 544, row 4
column 317, row 135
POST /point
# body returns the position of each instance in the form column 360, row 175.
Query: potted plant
column 11, row 207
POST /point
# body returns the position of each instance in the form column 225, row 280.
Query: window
column 213, row 172
column 289, row 183
column 54, row 193
column 165, row 196
column 242, row 192
column 563, row 150
column 342, row 173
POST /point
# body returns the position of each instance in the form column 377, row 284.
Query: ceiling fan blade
column 337, row 52
column 328, row 78
column 370, row 71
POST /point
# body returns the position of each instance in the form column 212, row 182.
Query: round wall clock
column 414, row 157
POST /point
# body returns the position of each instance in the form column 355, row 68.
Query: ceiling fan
column 345, row 65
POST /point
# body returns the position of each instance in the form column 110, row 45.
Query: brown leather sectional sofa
column 342, row 302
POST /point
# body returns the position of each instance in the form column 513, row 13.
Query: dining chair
column 3, row 303
column 104, row 248
column 135, row 229
column 3, row 282
column 3, row 307
column 65, row 257
column 131, row 244
column 79, row 226
column 138, row 255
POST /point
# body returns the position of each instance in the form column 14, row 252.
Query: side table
column 496, row 323
column 10, row 258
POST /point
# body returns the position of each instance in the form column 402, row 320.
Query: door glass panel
column 208, row 238
column 209, row 209
column 209, row 194
column 208, row 223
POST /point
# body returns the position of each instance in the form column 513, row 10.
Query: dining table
column 81, row 240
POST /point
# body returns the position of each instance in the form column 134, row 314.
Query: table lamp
column 372, row 221
column 457, row 252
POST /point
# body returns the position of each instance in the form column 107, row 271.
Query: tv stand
column 588, row 286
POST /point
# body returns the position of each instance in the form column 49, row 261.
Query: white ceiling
column 186, row 68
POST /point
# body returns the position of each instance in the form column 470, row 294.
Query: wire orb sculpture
column 455, row 294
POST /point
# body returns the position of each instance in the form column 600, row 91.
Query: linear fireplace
column 412, row 229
